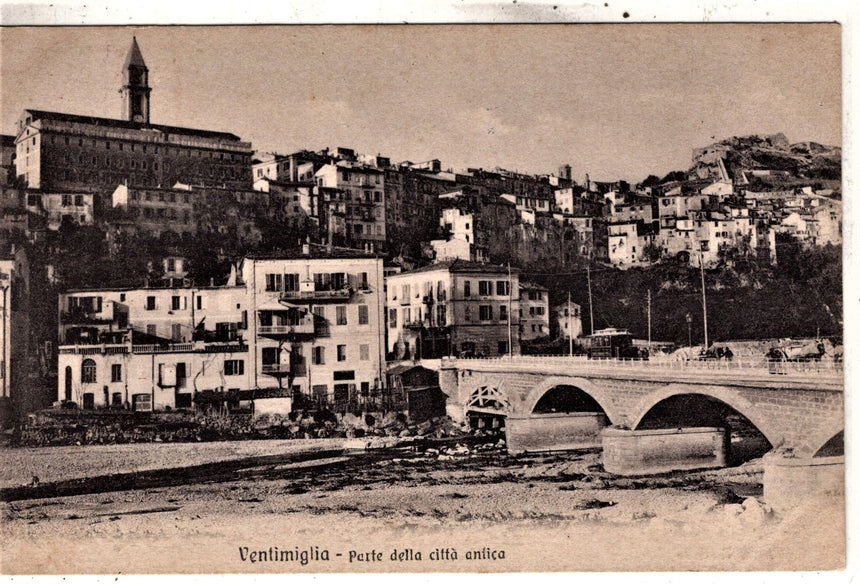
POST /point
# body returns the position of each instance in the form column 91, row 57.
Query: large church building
column 58, row 151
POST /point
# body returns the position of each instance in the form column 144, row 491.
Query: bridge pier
column 640, row 452
column 542, row 432
column 790, row 481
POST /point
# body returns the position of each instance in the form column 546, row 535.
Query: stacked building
column 304, row 329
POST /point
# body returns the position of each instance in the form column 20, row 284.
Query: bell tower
column 135, row 90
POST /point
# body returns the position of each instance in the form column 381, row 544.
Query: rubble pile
column 59, row 428
column 70, row 428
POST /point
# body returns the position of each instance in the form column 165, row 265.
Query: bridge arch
column 830, row 441
column 756, row 417
column 585, row 386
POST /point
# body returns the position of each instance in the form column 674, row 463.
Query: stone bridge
column 797, row 407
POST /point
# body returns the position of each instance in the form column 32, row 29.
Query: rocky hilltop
column 785, row 162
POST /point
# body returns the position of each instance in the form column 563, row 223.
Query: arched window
column 88, row 371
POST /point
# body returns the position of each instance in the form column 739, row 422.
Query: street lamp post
column 689, row 318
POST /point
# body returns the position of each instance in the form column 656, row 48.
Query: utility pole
column 590, row 308
column 569, row 328
column 649, row 320
column 3, row 357
column 704, row 298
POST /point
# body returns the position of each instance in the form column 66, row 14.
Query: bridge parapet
column 811, row 375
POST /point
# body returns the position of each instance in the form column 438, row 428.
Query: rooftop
column 126, row 125
column 314, row 251
column 463, row 266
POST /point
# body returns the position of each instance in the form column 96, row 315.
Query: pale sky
column 617, row 101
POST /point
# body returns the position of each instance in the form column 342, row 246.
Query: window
column 341, row 352
column 441, row 315
column 122, row 297
column 407, row 316
column 175, row 303
column 404, row 293
column 363, row 314
column 467, row 288
column 318, row 356
column 503, row 347
column 503, row 312
column 467, row 314
column 340, row 315
column 503, row 288
column 485, row 312
column 150, row 302
column 116, row 372
column 392, row 318
column 274, row 282
column 234, row 367
column 199, row 303
column 176, row 333
column 485, row 287
column 88, row 371
column 364, row 352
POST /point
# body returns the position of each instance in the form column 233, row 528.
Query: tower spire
column 135, row 90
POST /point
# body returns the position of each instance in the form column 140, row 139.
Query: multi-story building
column 151, row 348
column 75, row 207
column 453, row 307
column 188, row 210
column 363, row 188
column 285, row 331
column 628, row 242
column 458, row 227
column 534, row 311
column 568, row 317
column 317, row 323
column 15, row 339
column 66, row 151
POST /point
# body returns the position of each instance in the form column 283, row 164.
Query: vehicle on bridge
column 613, row 343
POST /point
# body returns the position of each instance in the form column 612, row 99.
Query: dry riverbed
column 494, row 511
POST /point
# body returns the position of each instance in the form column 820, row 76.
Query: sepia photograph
column 413, row 298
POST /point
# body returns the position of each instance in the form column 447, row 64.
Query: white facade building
column 295, row 331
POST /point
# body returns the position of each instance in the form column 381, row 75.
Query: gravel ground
column 18, row 466
column 545, row 513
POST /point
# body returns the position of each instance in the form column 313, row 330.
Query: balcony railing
column 824, row 370
column 276, row 369
column 116, row 349
column 102, row 349
column 278, row 330
column 85, row 317
column 310, row 296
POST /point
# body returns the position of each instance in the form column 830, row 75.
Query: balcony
column 276, row 369
column 313, row 296
column 305, row 328
column 85, row 317
column 297, row 369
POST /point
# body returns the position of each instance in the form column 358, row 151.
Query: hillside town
column 219, row 334
column 149, row 267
